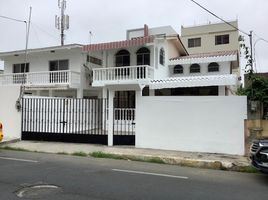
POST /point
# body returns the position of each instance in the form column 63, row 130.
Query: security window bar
column 178, row 69
column 213, row 67
column 195, row 68
column 221, row 39
column 194, row 42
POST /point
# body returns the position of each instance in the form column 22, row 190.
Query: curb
column 5, row 142
column 184, row 162
column 179, row 161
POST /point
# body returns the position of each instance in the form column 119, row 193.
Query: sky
column 108, row 20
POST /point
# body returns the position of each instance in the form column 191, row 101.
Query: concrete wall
column 9, row 116
column 198, row 124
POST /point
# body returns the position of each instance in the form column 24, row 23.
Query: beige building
column 210, row 38
column 213, row 38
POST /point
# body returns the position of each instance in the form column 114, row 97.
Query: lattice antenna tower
column 62, row 21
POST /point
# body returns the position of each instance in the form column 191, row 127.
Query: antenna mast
column 62, row 22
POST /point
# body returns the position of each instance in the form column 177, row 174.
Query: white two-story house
column 152, row 60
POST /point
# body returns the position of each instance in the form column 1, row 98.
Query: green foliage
column 257, row 89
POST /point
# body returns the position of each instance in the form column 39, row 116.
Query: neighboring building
column 213, row 37
column 152, row 60
column 210, row 38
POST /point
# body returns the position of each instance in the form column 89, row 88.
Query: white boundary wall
column 9, row 116
column 197, row 124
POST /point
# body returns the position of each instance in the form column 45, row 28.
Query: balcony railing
column 117, row 75
column 48, row 78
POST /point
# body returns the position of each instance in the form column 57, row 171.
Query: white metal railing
column 41, row 78
column 123, row 73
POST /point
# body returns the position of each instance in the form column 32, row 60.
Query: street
column 27, row 175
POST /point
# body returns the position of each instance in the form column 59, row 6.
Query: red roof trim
column 205, row 55
column 118, row 44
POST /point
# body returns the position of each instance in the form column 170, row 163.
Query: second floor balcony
column 53, row 79
column 122, row 75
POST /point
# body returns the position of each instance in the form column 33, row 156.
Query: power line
column 220, row 18
column 10, row 18
column 44, row 31
column 260, row 38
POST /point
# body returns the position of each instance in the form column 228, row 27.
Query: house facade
column 153, row 60
column 106, row 84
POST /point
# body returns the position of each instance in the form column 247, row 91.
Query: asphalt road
column 36, row 176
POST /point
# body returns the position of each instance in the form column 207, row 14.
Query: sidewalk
column 192, row 159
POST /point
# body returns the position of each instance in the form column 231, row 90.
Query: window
column 122, row 58
column 213, row 67
column 57, row 65
column 195, row 68
column 221, row 39
column 178, row 69
column 54, row 67
column 143, row 56
column 20, row 68
column 162, row 56
column 194, row 42
column 19, row 78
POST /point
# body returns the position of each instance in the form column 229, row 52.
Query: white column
column 104, row 93
column 110, row 117
column 138, row 97
column 221, row 90
column 38, row 93
column 151, row 92
column 80, row 93
column 50, row 93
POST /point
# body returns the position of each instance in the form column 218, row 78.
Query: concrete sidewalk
column 192, row 159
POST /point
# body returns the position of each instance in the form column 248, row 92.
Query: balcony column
column 50, row 93
column 221, row 90
column 80, row 93
column 80, row 90
column 151, row 92
column 110, row 117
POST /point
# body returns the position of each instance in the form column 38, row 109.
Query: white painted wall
column 198, row 124
column 9, row 116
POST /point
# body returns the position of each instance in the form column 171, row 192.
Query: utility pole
column 251, row 51
column 62, row 21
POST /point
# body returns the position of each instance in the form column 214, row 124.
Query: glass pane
column 126, row 60
column 16, row 68
column 139, row 59
column 146, row 59
column 53, row 65
column 63, row 64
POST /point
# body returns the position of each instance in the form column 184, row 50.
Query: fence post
column 110, row 117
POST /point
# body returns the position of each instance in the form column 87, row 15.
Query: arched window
column 162, row 56
column 122, row 58
column 178, row 69
column 195, row 68
column 143, row 56
column 213, row 67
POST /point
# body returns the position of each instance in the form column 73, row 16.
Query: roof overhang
column 205, row 58
column 36, row 50
column 118, row 44
column 194, row 81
